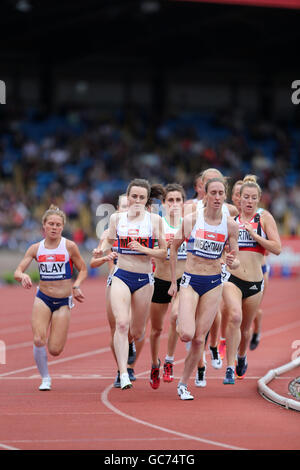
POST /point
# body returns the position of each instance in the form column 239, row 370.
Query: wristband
column 75, row 287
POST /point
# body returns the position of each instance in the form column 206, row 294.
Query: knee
column 156, row 332
column 122, row 327
column 138, row 335
column 235, row 318
column 39, row 341
column 55, row 350
column 185, row 337
column 199, row 341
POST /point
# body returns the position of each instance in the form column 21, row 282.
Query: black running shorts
column 160, row 294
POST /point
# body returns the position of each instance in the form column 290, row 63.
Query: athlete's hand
column 231, row 260
column 97, row 253
column 26, row 281
column 249, row 228
column 173, row 289
column 170, row 242
column 113, row 255
column 78, row 295
column 135, row 246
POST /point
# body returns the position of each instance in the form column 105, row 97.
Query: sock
column 169, row 359
column 40, row 356
column 201, row 369
column 181, row 383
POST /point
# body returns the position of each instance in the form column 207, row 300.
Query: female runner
column 173, row 207
column 111, row 259
column 236, row 199
column 51, row 308
column 243, row 290
column 132, row 281
column 214, row 333
column 255, row 339
column 207, row 231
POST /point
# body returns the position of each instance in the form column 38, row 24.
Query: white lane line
column 280, row 329
column 108, row 404
column 59, row 361
column 6, row 447
column 115, row 439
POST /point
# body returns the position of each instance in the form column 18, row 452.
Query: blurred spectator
column 81, row 159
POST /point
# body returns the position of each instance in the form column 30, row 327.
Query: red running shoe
column 222, row 348
column 168, row 372
column 154, row 376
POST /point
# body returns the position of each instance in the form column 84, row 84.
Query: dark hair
column 153, row 191
column 238, row 182
column 174, row 187
column 198, row 175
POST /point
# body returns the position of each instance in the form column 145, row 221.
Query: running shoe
column 241, row 367
column 222, row 348
column 131, row 353
column 46, row 384
column 117, row 383
column 229, row 376
column 183, row 392
column 200, row 377
column 188, row 345
column 168, row 372
column 154, row 376
column 254, row 341
column 216, row 361
column 131, row 375
column 124, row 381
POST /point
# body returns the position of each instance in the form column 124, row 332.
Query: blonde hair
column 54, row 210
column 250, row 181
column 211, row 170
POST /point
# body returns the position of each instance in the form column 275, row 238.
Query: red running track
column 84, row 412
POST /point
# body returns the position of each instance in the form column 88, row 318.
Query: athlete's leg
column 257, row 323
column 188, row 301
column 120, row 297
column 111, row 319
column 232, row 312
column 41, row 317
column 205, row 314
column 59, row 330
column 250, row 307
column 157, row 316
column 214, row 332
column 140, row 310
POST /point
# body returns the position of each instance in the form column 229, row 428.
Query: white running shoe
column 200, row 377
column 188, row 345
column 46, row 384
column 183, row 393
column 216, row 361
column 125, row 381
